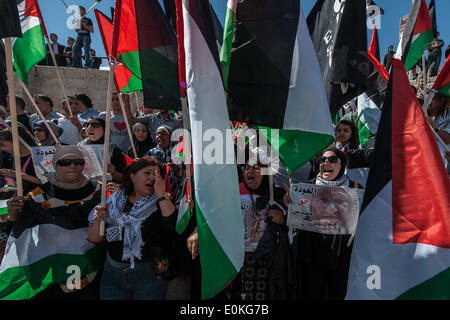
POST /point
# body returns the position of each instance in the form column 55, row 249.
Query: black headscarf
column 142, row 147
column 102, row 139
column 341, row 156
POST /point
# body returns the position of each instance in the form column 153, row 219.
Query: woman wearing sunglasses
column 42, row 134
column 60, row 206
column 325, row 259
column 95, row 132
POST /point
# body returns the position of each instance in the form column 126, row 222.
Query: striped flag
column 442, row 82
column 219, row 220
column 417, row 35
column 125, row 80
column 147, row 47
column 368, row 118
column 184, row 212
column 43, row 244
column 402, row 243
column 228, row 34
column 30, row 49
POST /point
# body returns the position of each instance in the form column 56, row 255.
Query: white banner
column 324, row 209
column 43, row 160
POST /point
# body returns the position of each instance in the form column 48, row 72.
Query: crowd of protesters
column 141, row 213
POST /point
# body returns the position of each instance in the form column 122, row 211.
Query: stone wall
column 92, row 82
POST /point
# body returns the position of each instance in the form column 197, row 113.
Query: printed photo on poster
column 324, row 209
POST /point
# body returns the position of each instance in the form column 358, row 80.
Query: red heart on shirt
column 120, row 125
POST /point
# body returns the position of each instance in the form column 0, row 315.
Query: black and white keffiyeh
column 129, row 223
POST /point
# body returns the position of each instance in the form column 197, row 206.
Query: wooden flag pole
column 106, row 143
column 130, row 135
column 424, row 72
column 37, row 110
column 58, row 75
column 13, row 111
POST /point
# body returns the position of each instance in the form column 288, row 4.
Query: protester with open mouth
column 139, row 219
column 95, row 132
column 325, row 259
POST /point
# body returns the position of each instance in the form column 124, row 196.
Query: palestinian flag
column 30, row 49
column 338, row 31
column 219, row 220
column 432, row 12
column 417, row 35
column 9, row 19
column 184, row 212
column 404, row 226
column 5, row 193
column 228, row 34
column 41, row 247
column 147, row 47
column 368, row 118
column 374, row 56
column 442, row 82
column 125, row 80
column 275, row 78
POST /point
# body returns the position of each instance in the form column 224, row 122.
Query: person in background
column 439, row 119
column 85, row 106
column 22, row 117
column 141, row 139
column 434, row 56
column 45, row 105
column 58, row 50
column 30, row 181
column 42, row 134
column 95, row 61
column 68, row 51
column 346, row 135
column 84, row 29
column 388, row 57
column 71, row 125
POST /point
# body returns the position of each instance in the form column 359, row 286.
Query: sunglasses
column 92, row 124
column 332, row 159
column 38, row 129
column 68, row 162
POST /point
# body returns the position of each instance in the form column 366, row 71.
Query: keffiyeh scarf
column 130, row 223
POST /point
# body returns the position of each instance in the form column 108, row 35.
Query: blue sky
column 55, row 17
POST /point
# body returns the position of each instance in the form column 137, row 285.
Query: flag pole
column 122, row 106
column 106, row 142
column 27, row 92
column 424, row 72
column 13, row 111
column 92, row 7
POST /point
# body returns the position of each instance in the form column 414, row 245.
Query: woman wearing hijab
column 139, row 218
column 346, row 135
column 163, row 153
column 95, row 132
column 65, row 202
column 264, row 240
column 42, row 134
column 325, row 259
column 141, row 139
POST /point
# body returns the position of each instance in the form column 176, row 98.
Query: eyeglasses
column 38, row 129
column 68, row 162
column 332, row 159
column 95, row 125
